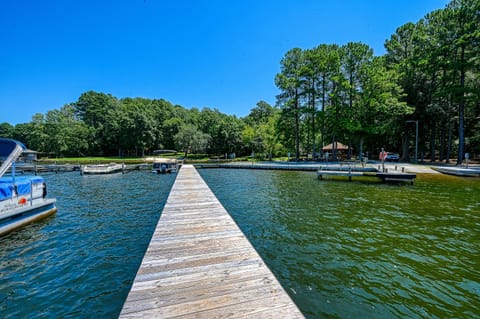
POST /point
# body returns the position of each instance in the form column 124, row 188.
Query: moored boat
column 458, row 171
column 165, row 165
column 22, row 199
column 102, row 169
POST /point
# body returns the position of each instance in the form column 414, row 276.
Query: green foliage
column 438, row 59
column 262, row 113
column 358, row 96
column 291, row 82
column 6, row 130
column 260, row 134
column 190, row 139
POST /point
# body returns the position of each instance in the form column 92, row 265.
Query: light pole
column 416, row 138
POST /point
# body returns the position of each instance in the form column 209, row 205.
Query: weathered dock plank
column 199, row 264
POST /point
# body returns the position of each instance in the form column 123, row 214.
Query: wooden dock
column 261, row 166
column 348, row 174
column 286, row 166
column 199, row 264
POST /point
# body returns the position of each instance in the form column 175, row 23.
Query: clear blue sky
column 195, row 53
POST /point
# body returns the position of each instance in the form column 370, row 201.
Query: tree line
column 103, row 125
column 429, row 77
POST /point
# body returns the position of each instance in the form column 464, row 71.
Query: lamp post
column 416, row 138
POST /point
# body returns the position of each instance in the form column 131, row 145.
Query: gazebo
column 338, row 146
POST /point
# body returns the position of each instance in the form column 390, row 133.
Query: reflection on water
column 80, row 263
column 357, row 250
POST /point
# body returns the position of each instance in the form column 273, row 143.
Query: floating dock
column 384, row 176
column 63, row 168
column 199, row 264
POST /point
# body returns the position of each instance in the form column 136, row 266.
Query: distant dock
column 342, row 169
column 286, row 166
column 199, row 264
column 385, row 177
column 33, row 168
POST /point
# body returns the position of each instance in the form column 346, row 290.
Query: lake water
column 341, row 250
column 81, row 262
column 363, row 250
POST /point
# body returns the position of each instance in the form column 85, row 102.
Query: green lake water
column 81, row 262
column 340, row 249
column 363, row 250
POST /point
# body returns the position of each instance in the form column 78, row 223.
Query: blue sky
column 203, row 53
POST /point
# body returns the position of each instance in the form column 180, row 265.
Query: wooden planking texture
column 199, row 264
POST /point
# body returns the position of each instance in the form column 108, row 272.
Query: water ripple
column 81, row 262
column 355, row 250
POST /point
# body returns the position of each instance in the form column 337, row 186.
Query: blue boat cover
column 5, row 191
column 22, row 183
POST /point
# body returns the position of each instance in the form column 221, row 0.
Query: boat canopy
column 162, row 160
column 10, row 150
column 7, row 146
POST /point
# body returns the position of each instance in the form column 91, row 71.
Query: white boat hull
column 101, row 169
column 22, row 216
column 23, row 198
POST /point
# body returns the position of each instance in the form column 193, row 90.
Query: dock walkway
column 199, row 264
